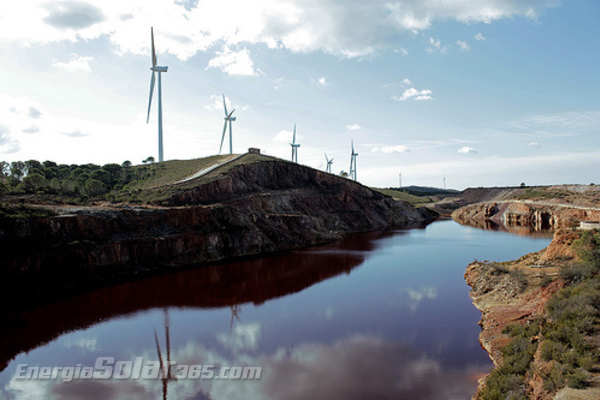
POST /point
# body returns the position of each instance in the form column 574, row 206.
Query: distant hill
column 426, row 191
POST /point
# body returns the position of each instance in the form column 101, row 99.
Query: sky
column 481, row 92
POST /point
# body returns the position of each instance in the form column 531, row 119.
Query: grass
column 399, row 195
column 23, row 211
column 168, row 172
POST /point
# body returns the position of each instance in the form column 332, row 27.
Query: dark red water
column 375, row 316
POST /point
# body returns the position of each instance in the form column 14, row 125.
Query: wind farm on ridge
column 228, row 120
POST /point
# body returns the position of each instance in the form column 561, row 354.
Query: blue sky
column 486, row 92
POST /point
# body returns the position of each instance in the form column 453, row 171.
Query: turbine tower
column 353, row 163
column 329, row 162
column 294, row 147
column 155, row 68
column 230, row 119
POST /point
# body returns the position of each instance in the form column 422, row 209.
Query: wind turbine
column 294, row 147
column 155, row 68
column 166, row 373
column 353, row 163
column 329, row 162
column 228, row 118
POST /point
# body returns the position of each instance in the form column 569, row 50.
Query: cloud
column 407, row 82
column 414, row 94
column 534, row 144
column 300, row 26
column 323, row 81
column 286, row 136
column 436, row 45
column 467, row 150
column 76, row 63
column 479, row 37
column 31, row 129
column 8, row 144
column 74, row 134
column 243, row 337
column 463, row 45
column 391, row 149
column 90, row 344
column 416, row 296
column 234, row 63
column 73, row 15
column 353, row 127
column 402, row 51
column 34, row 113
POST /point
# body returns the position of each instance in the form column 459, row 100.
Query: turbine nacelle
column 159, row 69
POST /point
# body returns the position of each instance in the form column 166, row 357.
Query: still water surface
column 374, row 316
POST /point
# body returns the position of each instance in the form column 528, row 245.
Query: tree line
column 75, row 181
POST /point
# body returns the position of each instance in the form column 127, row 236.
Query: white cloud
column 90, row 344
column 402, row 51
column 463, row 45
column 74, row 134
column 296, row 25
column 76, row 63
column 283, row 136
column 479, row 37
column 534, row 144
column 414, row 94
column 353, row 127
column 467, row 150
column 323, row 81
column 234, row 63
column 391, row 149
column 243, row 337
column 435, row 45
column 407, row 82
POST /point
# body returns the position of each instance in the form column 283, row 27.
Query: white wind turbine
column 294, row 147
column 228, row 118
column 155, row 68
column 329, row 162
column 353, row 163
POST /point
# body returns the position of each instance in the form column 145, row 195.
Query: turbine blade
column 294, row 141
column 223, row 136
column 331, row 160
column 152, row 81
column 229, row 116
column 353, row 145
column 224, row 105
column 153, row 51
column 162, row 367
column 326, row 157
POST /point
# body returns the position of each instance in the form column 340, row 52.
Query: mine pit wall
column 261, row 210
column 512, row 214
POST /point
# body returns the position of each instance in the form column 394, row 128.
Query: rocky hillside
column 252, row 206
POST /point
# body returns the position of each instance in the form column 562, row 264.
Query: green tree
column 17, row 170
column 34, row 182
column 126, row 164
column 148, row 160
column 94, row 188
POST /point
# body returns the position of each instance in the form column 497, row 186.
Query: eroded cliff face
column 253, row 209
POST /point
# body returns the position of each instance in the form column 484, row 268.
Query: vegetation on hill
column 80, row 184
column 404, row 196
column 565, row 334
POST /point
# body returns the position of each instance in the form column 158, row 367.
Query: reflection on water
column 516, row 229
column 384, row 315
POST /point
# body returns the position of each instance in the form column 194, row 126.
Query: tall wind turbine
column 155, row 68
column 230, row 119
column 329, row 162
column 294, row 147
column 353, row 163
column 166, row 373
